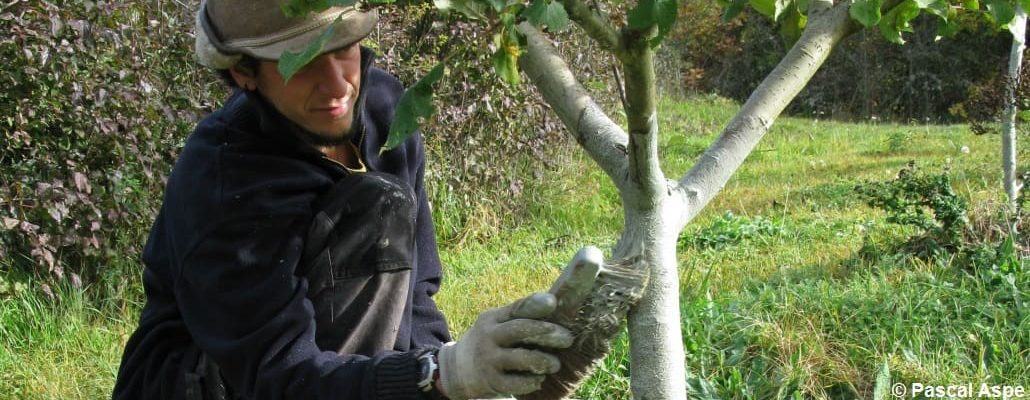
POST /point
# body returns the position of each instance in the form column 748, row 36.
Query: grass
column 61, row 348
column 791, row 287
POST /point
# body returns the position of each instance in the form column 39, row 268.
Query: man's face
column 321, row 96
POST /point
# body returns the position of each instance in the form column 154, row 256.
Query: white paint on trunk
column 1008, row 130
column 656, row 340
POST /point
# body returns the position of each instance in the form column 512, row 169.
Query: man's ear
column 244, row 77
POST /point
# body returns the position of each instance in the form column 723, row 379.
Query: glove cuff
column 450, row 373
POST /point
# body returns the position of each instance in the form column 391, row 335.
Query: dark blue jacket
column 222, row 254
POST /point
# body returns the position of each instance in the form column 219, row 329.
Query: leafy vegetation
column 731, row 230
column 927, row 202
column 97, row 96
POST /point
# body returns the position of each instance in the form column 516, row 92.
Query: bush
column 927, row 202
column 98, row 97
column 986, row 242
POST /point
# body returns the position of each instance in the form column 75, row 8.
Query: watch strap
column 429, row 375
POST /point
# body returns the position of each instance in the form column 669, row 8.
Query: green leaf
column 549, row 13
column 781, row 8
column 654, row 12
column 764, row 7
column 948, row 26
column 498, row 5
column 897, row 21
column 925, row 3
column 535, row 12
column 1001, row 12
column 889, row 29
column 701, row 388
column 906, row 12
column 509, row 47
column 803, row 6
column 733, row 9
column 417, row 102
column 290, row 62
column 938, row 8
column 866, row 12
column 772, row 9
column 298, row 8
column 883, row 382
column 505, row 65
column 971, row 5
column 1025, row 4
column 643, row 15
column 557, row 19
column 792, row 26
column 667, row 12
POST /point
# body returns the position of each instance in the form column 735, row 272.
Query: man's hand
column 504, row 352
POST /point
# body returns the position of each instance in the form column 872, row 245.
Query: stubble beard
column 325, row 139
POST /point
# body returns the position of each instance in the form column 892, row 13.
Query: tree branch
column 645, row 173
column 827, row 27
column 602, row 139
column 618, row 84
column 593, row 24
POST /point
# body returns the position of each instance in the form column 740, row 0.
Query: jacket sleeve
column 429, row 323
column 244, row 307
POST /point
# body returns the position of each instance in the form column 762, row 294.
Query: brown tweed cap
column 260, row 29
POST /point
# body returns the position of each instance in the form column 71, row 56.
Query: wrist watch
column 429, row 373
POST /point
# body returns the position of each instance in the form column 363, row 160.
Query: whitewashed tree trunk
column 1008, row 131
column 657, row 209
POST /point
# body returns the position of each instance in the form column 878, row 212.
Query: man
column 291, row 259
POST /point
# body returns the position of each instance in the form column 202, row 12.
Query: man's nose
column 331, row 80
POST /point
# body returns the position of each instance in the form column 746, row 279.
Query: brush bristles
column 619, row 286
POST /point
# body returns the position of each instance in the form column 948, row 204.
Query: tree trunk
column 656, row 339
column 656, row 210
column 1008, row 131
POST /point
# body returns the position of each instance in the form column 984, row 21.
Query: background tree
column 1008, row 132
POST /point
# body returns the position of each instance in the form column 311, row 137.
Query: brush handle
column 576, row 282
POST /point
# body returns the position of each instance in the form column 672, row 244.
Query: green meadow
column 791, row 285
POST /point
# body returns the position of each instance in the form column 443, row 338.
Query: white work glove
column 504, row 352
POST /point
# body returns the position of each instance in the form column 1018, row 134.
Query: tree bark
column 603, row 140
column 655, row 209
column 656, row 338
column 1008, row 131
